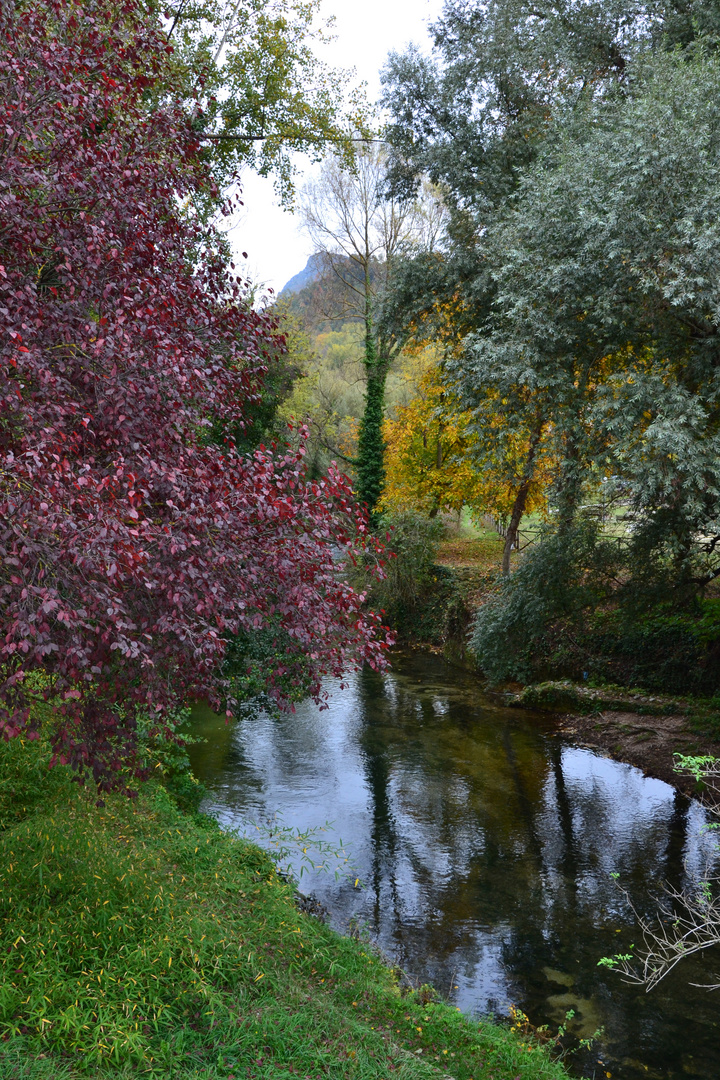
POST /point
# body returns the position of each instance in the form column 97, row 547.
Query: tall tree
column 360, row 233
column 472, row 116
column 607, row 298
column 133, row 546
column 607, row 310
column 504, row 79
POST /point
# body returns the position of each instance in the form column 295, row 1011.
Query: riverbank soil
column 646, row 741
column 642, row 729
column 140, row 940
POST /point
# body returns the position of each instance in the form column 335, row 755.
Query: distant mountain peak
column 306, row 277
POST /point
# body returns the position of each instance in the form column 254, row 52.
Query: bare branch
column 687, row 922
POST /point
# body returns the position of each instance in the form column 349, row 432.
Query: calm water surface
column 485, row 844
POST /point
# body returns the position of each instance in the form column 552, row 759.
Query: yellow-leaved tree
column 428, row 458
column 440, row 456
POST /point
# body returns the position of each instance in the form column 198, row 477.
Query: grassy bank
column 139, row 940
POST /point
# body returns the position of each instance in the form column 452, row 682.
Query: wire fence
column 617, row 528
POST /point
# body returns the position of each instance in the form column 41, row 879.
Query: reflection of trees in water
column 489, row 847
column 677, row 843
column 220, row 757
column 569, row 860
column 384, row 840
column 428, row 778
column 493, row 808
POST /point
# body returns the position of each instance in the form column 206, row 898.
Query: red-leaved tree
column 132, row 548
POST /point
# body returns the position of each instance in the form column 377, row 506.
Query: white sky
column 366, row 31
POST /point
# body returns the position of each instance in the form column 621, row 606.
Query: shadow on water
column 486, row 845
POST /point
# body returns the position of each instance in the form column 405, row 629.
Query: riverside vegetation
column 642, row 689
column 140, row 940
column 157, row 547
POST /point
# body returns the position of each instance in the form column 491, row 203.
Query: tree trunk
column 517, row 512
column 520, row 500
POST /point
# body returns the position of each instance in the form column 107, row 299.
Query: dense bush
column 581, row 605
column 412, row 541
column 250, row 655
column 419, row 599
column 562, row 576
column 660, row 649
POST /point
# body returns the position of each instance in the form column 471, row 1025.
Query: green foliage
column 606, row 310
column 695, row 765
column 328, row 395
column 371, row 444
column 167, row 758
column 577, row 607
column 559, row 579
column 27, row 783
column 419, row 599
column 141, row 942
column 412, row 543
column 254, row 88
column 296, row 852
column 615, row 962
column 593, row 696
column 473, row 116
column 659, row 648
column 249, row 657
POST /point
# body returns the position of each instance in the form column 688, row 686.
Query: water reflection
column 486, row 847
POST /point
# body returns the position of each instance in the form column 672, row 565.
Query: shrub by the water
column 420, row 600
column 559, row 578
column 581, row 605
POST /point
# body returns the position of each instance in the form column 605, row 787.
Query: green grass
column 140, row 941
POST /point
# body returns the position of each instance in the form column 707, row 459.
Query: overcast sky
column 367, row 30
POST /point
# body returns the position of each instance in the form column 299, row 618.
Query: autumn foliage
column 429, row 463
column 132, row 546
column 441, row 456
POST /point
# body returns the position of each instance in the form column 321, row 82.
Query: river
column 484, row 843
